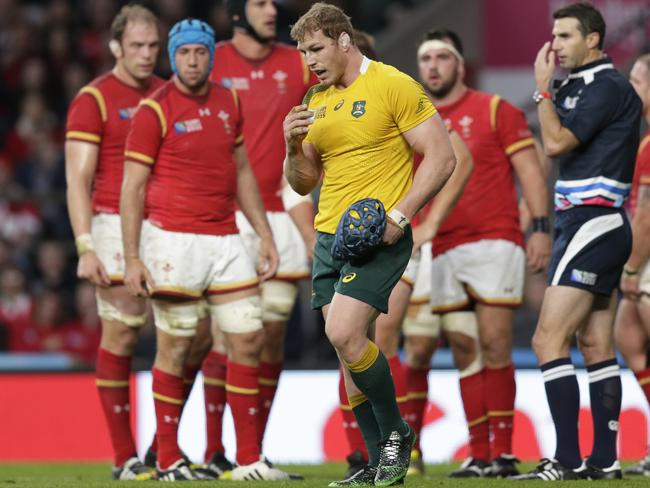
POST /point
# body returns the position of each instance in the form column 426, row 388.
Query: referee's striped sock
column 563, row 398
column 605, row 393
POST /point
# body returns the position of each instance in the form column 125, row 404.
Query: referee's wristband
column 84, row 244
column 398, row 218
column 541, row 224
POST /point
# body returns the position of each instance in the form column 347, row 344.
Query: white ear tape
column 114, row 46
column 344, row 40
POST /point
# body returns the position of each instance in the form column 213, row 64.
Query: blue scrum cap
column 190, row 31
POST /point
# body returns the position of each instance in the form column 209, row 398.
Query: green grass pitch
column 98, row 475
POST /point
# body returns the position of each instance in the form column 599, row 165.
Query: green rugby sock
column 365, row 417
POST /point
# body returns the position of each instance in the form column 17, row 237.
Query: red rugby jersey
column 493, row 130
column 100, row 114
column 189, row 141
column 641, row 172
column 268, row 89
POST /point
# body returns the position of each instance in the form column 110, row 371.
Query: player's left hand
column 268, row 259
column 544, row 66
column 421, row 235
column 392, row 234
column 538, row 250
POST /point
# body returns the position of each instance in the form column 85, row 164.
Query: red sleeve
column 643, row 161
column 84, row 121
column 512, row 129
column 239, row 123
column 145, row 135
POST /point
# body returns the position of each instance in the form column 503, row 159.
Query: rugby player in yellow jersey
column 359, row 128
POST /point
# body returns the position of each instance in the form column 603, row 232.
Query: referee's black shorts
column 591, row 246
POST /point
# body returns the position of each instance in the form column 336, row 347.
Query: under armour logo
column 121, row 408
column 252, row 411
column 257, row 74
column 204, row 112
column 170, row 420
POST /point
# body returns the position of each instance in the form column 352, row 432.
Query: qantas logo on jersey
column 238, row 83
column 192, row 125
column 280, row 77
column 127, row 113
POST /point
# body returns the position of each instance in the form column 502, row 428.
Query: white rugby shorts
column 106, row 231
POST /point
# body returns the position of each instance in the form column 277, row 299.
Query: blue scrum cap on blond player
column 190, row 31
column 360, row 230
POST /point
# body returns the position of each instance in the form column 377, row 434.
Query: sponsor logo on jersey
column 192, row 125
column 339, row 105
column 238, row 83
column 422, row 104
column 358, row 108
column 570, row 102
column 126, row 113
column 584, row 277
column 204, row 112
column 257, row 74
column 319, row 112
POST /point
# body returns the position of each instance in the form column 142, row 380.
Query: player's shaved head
column 324, row 17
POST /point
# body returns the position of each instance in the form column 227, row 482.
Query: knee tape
column 176, row 320
column 419, row 321
column 107, row 311
column 278, row 298
column 240, row 316
column 461, row 322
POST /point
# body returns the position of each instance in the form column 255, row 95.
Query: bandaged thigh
column 107, row 311
column 239, row 316
column 278, row 299
column 176, row 320
column 419, row 321
column 465, row 323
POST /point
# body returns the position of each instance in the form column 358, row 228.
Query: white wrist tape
column 290, row 198
column 84, row 243
column 399, row 218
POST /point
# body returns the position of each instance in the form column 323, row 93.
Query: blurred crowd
column 49, row 49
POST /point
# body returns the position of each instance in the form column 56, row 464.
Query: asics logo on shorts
column 349, row 277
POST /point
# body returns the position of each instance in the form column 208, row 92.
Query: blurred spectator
column 53, row 270
column 16, row 312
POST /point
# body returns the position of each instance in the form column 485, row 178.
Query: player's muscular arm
column 448, row 196
column 431, row 139
column 533, row 185
column 302, row 166
column 250, row 202
column 525, row 215
column 556, row 138
column 134, row 185
column 80, row 166
column 303, row 216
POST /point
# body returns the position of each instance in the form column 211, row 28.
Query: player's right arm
column 80, row 165
column 446, row 199
column 302, row 165
column 142, row 143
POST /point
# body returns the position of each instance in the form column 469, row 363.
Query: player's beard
column 443, row 90
column 195, row 85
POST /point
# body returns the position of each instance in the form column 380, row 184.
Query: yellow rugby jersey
column 357, row 133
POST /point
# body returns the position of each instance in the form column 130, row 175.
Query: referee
column 591, row 126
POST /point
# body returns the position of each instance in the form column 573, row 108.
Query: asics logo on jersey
column 358, row 108
column 349, row 277
column 339, row 105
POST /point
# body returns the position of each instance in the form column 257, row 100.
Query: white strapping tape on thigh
column 291, row 199
column 107, row 311
column 203, row 309
column 176, row 320
column 419, row 321
column 465, row 323
column 278, row 298
column 239, row 316
column 462, row 322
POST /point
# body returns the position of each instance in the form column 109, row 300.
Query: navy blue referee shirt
column 600, row 107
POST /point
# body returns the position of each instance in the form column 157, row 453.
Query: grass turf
column 31, row 475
